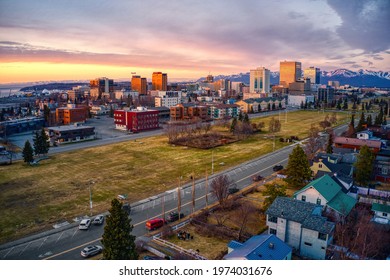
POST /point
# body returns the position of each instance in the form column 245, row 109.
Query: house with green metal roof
column 326, row 192
column 381, row 213
column 300, row 225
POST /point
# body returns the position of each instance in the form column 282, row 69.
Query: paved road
column 67, row 242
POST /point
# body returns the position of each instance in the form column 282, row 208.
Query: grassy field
column 35, row 198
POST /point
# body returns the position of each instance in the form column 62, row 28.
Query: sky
column 49, row 40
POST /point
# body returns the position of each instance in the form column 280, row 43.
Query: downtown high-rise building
column 290, row 72
column 139, row 84
column 259, row 80
column 159, row 81
column 100, row 86
column 313, row 74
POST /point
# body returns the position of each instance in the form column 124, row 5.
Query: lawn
column 33, row 198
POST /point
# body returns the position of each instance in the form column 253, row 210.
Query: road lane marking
column 59, row 237
column 24, row 248
column 8, row 252
column 43, row 242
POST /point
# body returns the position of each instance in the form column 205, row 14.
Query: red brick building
column 137, row 120
column 71, row 114
column 188, row 111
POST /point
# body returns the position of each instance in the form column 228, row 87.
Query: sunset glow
column 79, row 40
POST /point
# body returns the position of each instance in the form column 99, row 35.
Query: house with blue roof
column 300, row 225
column 259, row 247
column 326, row 192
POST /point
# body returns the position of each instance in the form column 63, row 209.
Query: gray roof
column 301, row 212
column 318, row 223
column 291, row 209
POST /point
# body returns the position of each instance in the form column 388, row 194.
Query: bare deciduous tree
column 244, row 214
column 274, row 125
column 220, row 188
column 313, row 144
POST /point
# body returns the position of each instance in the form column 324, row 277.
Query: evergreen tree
column 362, row 122
column 28, row 152
column 36, row 143
column 118, row 242
column 233, row 125
column 369, row 120
column 46, row 114
column 364, row 165
column 298, row 169
column 352, row 123
column 246, row 118
column 338, row 106
column 44, row 141
column 273, row 106
column 271, row 192
column 379, row 117
column 329, row 146
column 302, row 105
column 240, row 117
column 269, row 106
column 345, row 105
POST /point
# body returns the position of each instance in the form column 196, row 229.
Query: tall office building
column 313, row 74
column 139, row 84
column 290, row 72
column 259, row 80
column 159, row 81
column 100, row 86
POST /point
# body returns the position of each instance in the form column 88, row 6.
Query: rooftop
column 259, row 247
column 380, row 207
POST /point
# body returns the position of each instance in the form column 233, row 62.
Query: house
column 382, row 213
column 332, row 165
column 328, row 193
column 382, row 166
column 301, row 226
column 356, row 144
column 69, row 133
column 259, row 247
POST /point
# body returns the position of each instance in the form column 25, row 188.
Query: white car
column 91, row 250
column 98, row 220
column 85, row 223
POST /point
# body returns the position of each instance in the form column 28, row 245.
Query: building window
column 308, row 244
column 318, row 201
column 272, row 219
column 272, row 231
column 303, row 197
column 320, row 165
column 322, row 236
column 384, row 214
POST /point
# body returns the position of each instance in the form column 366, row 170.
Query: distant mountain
column 360, row 78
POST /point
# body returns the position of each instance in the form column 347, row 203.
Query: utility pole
column 212, row 162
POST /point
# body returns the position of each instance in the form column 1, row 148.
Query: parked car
column 278, row 167
column 99, row 220
column 233, row 190
column 257, row 178
column 174, row 216
column 91, row 250
column 85, row 223
column 154, row 224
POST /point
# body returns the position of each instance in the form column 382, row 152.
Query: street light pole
column 90, row 197
column 212, row 162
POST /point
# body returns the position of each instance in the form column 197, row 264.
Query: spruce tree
column 36, row 143
column 246, row 118
column 298, row 169
column 233, row 125
column 118, row 242
column 362, row 121
column 369, row 120
column 28, row 152
column 44, row 142
column 329, row 146
column 364, row 165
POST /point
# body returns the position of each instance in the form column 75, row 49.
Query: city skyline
column 57, row 40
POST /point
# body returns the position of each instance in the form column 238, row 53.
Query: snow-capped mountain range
column 359, row 78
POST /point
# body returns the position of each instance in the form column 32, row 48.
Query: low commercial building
column 71, row 114
column 70, row 133
column 188, row 111
column 136, row 120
